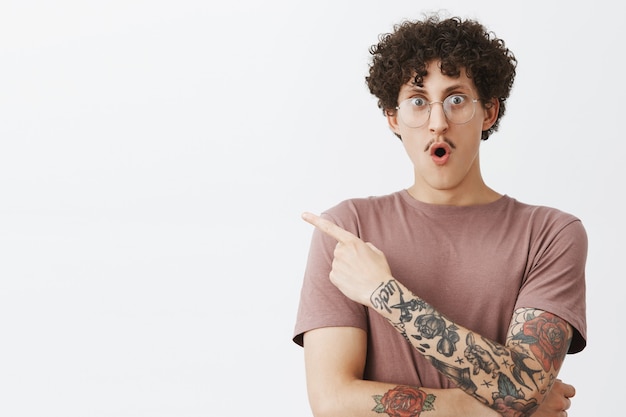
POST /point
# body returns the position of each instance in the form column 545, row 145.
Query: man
column 446, row 298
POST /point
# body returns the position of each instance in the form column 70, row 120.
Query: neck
column 476, row 196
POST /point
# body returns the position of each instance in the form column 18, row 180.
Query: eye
column 418, row 102
column 456, row 99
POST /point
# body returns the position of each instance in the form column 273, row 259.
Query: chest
column 463, row 271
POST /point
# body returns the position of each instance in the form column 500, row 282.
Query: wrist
column 392, row 300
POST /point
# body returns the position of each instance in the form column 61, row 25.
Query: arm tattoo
column 404, row 400
column 506, row 378
column 546, row 335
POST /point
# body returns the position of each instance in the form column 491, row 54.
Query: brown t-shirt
column 476, row 265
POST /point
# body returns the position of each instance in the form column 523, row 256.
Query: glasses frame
column 430, row 107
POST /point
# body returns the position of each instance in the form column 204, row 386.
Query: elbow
column 332, row 400
column 523, row 404
column 323, row 406
column 323, row 410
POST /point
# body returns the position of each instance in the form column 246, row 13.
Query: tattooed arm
column 515, row 376
column 335, row 359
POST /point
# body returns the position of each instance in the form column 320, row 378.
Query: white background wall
column 155, row 157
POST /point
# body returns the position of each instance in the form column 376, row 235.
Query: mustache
column 446, row 140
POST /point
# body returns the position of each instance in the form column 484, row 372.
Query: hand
column 358, row 267
column 557, row 402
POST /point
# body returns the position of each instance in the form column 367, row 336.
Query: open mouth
column 440, row 152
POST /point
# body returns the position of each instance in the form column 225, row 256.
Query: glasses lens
column 459, row 108
column 414, row 111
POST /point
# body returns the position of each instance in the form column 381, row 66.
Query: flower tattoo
column 404, row 401
column 430, row 326
column 547, row 338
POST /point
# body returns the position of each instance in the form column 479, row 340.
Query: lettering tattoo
column 404, row 400
column 381, row 296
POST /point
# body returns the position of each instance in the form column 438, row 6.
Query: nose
column 437, row 122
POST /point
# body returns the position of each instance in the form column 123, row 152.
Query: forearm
column 361, row 398
column 334, row 361
column 500, row 376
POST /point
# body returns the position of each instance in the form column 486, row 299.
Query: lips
column 440, row 152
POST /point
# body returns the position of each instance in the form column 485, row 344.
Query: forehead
column 435, row 83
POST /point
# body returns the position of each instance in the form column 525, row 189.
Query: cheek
column 412, row 148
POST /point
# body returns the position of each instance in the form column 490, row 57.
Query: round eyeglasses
column 458, row 108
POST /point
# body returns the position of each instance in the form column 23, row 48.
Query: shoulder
column 352, row 213
column 540, row 214
column 365, row 204
column 547, row 223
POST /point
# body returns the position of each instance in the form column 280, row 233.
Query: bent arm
column 515, row 376
column 334, row 362
column 335, row 359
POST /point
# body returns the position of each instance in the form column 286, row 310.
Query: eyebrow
column 447, row 90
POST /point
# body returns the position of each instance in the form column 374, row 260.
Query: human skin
column 335, row 359
column 459, row 181
column 360, row 271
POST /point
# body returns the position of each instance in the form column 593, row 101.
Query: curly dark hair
column 458, row 44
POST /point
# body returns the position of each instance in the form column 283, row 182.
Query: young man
column 446, row 298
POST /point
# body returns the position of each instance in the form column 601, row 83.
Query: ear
column 392, row 120
column 491, row 113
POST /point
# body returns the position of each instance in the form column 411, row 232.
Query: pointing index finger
column 328, row 227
